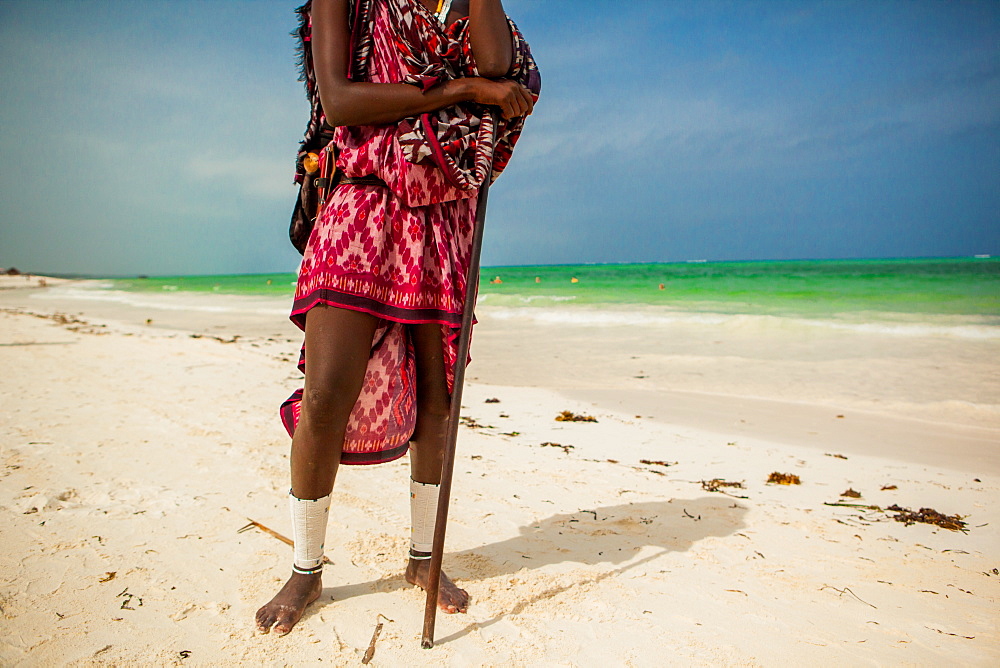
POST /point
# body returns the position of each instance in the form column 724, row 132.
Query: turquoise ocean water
column 961, row 289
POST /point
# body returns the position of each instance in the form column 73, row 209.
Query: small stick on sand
column 283, row 539
column 847, row 590
column 957, row 635
column 370, row 652
column 853, row 505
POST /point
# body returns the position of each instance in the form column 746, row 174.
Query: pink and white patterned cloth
column 402, row 253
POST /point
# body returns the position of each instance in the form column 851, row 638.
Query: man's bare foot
column 451, row 598
column 285, row 610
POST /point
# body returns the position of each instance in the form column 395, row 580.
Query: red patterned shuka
column 401, row 252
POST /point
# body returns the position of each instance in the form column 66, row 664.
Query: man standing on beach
column 381, row 287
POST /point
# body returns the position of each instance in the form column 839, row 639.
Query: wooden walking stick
column 448, row 462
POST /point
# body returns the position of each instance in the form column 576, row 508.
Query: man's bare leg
column 338, row 344
column 427, row 447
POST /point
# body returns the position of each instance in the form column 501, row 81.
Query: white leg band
column 423, row 513
column 309, row 518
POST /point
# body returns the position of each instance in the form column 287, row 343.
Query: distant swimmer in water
column 496, row 280
column 574, row 280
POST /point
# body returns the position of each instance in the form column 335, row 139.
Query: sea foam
column 643, row 316
column 168, row 300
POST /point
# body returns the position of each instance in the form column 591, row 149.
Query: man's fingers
column 511, row 108
column 528, row 101
column 518, row 101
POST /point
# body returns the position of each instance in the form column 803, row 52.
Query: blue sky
column 158, row 137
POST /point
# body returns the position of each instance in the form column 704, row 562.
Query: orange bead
column 310, row 163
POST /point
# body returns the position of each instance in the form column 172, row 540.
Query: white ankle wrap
column 423, row 513
column 309, row 518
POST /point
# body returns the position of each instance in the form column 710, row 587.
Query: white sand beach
column 132, row 455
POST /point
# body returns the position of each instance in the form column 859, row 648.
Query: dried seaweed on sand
column 851, row 493
column 784, row 479
column 570, row 416
column 471, row 423
column 716, row 484
column 908, row 517
column 927, row 516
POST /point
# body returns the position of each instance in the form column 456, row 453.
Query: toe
column 453, row 604
column 285, row 624
column 263, row 621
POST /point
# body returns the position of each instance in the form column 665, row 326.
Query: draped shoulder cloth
column 463, row 141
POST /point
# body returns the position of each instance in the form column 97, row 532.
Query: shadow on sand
column 609, row 535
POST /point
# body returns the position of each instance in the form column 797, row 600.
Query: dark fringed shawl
column 318, row 134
